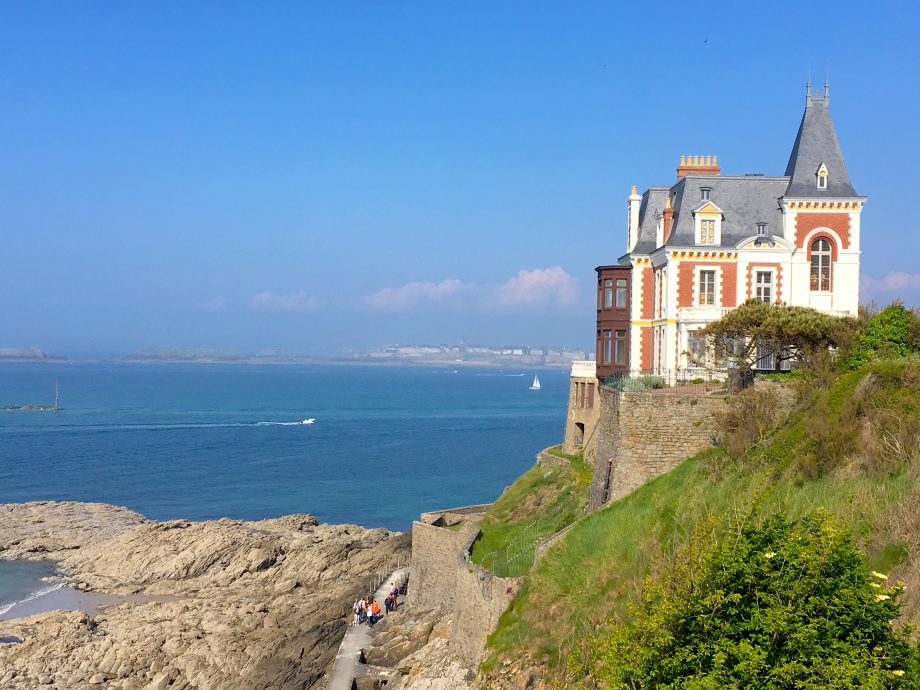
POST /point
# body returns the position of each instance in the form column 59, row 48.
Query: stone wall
column 480, row 599
column 643, row 435
column 433, row 573
column 583, row 409
column 452, row 516
column 441, row 576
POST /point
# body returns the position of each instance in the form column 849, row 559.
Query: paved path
column 348, row 660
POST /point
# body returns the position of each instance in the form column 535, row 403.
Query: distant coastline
column 194, row 355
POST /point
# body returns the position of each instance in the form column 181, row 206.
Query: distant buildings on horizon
column 466, row 353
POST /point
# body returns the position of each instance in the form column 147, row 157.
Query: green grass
column 561, row 491
column 599, row 567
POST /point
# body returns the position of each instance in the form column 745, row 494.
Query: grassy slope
column 600, row 565
column 561, row 491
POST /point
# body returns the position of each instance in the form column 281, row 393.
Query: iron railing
column 518, row 557
column 671, row 381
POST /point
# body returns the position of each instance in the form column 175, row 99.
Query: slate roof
column 745, row 201
column 751, row 199
column 816, row 143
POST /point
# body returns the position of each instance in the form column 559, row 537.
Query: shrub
column 886, row 334
column 698, row 380
column 752, row 415
column 789, row 604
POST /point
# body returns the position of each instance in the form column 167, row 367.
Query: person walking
column 356, row 611
column 374, row 614
column 394, row 592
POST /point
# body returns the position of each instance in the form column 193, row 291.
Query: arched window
column 821, row 264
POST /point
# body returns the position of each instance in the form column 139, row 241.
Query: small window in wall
column 765, row 286
column 705, row 194
column 608, row 293
column 621, row 292
column 619, row 349
column 580, row 394
column 762, row 229
column 821, row 264
column 707, row 288
column 608, row 346
column 707, row 232
column 590, row 396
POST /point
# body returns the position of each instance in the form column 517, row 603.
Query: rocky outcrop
column 222, row 604
column 409, row 651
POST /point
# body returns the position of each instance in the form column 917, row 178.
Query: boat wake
column 34, row 595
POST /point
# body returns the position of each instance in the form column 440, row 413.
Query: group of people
column 367, row 610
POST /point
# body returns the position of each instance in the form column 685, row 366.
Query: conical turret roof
column 816, row 144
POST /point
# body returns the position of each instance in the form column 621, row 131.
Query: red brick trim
column 729, row 276
column 645, row 347
column 648, row 284
column 806, row 222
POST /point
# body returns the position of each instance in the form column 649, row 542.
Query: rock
column 160, row 681
column 367, row 683
column 45, row 680
column 217, row 610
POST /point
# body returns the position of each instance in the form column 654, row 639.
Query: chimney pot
column 634, row 190
column 708, row 160
column 683, row 160
column 714, row 158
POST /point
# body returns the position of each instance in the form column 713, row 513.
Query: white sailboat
column 536, row 383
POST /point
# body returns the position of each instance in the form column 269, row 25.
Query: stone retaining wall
column 441, row 576
column 643, row 435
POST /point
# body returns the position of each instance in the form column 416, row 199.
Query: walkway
column 348, row 660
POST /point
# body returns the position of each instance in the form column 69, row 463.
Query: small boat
column 308, row 421
column 536, row 384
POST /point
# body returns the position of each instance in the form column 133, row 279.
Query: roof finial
column 808, row 83
column 826, row 71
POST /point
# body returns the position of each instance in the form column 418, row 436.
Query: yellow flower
column 897, row 673
column 881, row 597
column 769, row 554
column 877, row 586
column 879, row 575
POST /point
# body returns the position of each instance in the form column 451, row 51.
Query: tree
column 757, row 329
column 782, row 605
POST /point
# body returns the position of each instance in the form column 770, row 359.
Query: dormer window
column 821, row 176
column 707, row 221
column 705, row 194
column 762, row 229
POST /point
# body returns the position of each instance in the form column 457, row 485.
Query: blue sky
column 312, row 176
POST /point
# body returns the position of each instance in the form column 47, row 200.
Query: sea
column 207, row 441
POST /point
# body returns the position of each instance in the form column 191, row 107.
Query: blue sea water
column 208, row 441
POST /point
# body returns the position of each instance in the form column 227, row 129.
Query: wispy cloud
column 869, row 286
column 216, row 304
column 272, row 302
column 412, row 295
column 540, row 288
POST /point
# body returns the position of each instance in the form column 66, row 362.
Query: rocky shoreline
column 220, row 604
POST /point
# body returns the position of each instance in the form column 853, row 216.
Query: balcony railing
column 584, row 369
column 702, row 313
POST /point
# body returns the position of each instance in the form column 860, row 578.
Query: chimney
column 698, row 165
column 633, row 202
column 667, row 214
